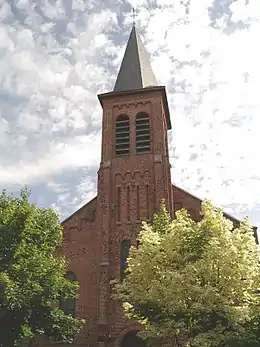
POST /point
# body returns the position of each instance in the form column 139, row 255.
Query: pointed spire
column 135, row 71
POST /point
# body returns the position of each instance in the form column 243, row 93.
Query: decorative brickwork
column 133, row 189
column 131, row 185
column 130, row 189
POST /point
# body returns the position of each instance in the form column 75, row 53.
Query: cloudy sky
column 57, row 55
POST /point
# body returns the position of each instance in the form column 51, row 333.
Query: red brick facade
column 130, row 189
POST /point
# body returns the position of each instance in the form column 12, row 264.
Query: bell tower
column 134, row 174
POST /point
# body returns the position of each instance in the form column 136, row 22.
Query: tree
column 196, row 283
column 32, row 276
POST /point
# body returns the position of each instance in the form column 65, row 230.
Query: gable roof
column 228, row 216
column 79, row 210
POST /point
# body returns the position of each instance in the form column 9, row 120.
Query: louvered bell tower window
column 122, row 135
column 142, row 133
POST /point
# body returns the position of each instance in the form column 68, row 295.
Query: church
column 133, row 177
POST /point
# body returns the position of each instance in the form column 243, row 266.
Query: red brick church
column 134, row 175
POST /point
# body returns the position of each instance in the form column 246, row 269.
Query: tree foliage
column 197, row 281
column 32, row 278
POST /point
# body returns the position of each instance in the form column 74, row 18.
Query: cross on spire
column 134, row 16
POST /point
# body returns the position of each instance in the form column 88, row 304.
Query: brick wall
column 130, row 189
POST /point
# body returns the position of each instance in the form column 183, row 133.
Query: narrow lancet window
column 147, row 202
column 137, row 202
column 128, row 203
column 69, row 306
column 142, row 133
column 125, row 248
column 122, row 135
column 118, row 204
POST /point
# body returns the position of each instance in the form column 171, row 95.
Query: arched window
column 122, row 135
column 192, row 214
column 125, row 248
column 132, row 339
column 71, row 276
column 69, row 306
column 142, row 127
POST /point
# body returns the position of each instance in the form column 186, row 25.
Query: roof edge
column 195, row 197
column 74, row 213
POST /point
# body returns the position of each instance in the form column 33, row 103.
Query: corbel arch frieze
column 124, row 107
column 119, row 178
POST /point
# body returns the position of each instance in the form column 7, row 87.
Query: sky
column 57, row 55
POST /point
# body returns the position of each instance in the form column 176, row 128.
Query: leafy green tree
column 195, row 283
column 32, row 277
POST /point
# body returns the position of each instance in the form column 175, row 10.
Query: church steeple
column 134, row 174
column 135, row 71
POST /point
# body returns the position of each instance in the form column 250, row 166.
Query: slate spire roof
column 135, row 71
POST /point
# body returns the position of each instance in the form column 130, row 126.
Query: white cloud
column 52, row 89
column 82, row 152
column 245, row 12
column 56, row 58
column 214, row 99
